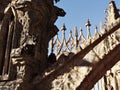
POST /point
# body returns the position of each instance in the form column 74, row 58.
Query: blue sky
column 78, row 11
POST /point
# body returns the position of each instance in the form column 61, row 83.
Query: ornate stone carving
column 76, row 65
column 25, row 42
column 26, row 48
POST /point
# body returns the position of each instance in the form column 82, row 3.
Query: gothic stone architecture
column 27, row 30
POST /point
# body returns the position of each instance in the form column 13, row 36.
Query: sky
column 78, row 11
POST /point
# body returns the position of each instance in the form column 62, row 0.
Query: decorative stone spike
column 75, row 31
column 88, row 23
column 96, row 34
column 96, row 30
column 81, row 31
column 63, row 27
column 70, row 33
column 76, row 37
column 88, row 29
column 81, row 34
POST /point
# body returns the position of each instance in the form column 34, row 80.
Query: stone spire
column 113, row 9
column 81, row 38
column 96, row 34
column 88, row 29
column 75, row 31
column 76, row 36
column 96, row 30
column 63, row 28
column 112, row 13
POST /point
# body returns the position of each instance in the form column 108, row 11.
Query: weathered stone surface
column 72, row 74
column 20, row 53
column 26, row 29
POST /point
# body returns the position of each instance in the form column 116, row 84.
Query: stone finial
column 96, row 29
column 76, row 37
column 88, row 29
column 81, row 35
column 88, row 23
column 70, row 33
column 96, row 34
column 81, row 31
column 63, row 27
column 75, row 31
